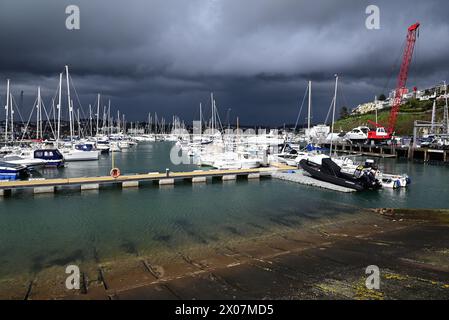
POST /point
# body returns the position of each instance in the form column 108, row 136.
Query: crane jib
column 412, row 34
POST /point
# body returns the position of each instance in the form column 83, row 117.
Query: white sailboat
column 76, row 151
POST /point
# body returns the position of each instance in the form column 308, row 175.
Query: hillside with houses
column 415, row 105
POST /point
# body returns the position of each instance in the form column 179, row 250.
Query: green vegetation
column 408, row 113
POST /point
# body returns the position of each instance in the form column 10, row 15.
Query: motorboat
column 234, row 160
column 10, row 171
column 330, row 172
column 124, row 144
column 145, row 138
column 103, row 146
column 393, row 181
column 52, row 157
column 287, row 155
column 31, row 163
column 359, row 134
column 81, row 152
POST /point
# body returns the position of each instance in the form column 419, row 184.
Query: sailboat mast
column 59, row 109
column 7, row 111
column 109, row 116
column 310, row 105
column 69, row 101
column 446, row 115
column 38, row 114
column 118, row 121
column 333, row 114
column 213, row 114
column 90, row 119
column 12, row 117
column 98, row 113
column 201, row 120
column 79, row 125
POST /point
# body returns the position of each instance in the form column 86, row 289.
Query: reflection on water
column 44, row 230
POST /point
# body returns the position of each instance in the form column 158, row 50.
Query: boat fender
column 115, row 172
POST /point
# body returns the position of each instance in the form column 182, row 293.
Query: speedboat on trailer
column 13, row 171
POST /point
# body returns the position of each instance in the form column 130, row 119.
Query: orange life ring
column 115, row 172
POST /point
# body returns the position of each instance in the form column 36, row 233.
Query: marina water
column 39, row 231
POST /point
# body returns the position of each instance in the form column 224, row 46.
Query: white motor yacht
column 359, row 134
column 81, row 152
column 24, row 161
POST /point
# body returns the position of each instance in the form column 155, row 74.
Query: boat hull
column 338, row 178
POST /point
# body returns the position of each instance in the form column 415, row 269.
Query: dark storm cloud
column 256, row 55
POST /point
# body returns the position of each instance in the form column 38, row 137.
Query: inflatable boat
column 330, row 172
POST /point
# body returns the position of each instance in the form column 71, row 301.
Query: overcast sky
column 256, row 55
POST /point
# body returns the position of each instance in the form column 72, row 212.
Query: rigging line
column 17, row 107
column 329, row 111
column 56, row 93
column 218, row 116
column 29, row 119
column 77, row 97
column 81, row 131
column 342, row 95
column 48, row 122
column 300, row 109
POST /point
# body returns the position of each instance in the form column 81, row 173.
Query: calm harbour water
column 43, row 230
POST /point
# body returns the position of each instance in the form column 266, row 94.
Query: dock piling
column 39, row 190
column 130, row 184
column 229, row 177
column 90, row 186
column 164, row 182
column 199, row 180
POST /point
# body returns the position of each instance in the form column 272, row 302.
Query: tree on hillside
column 344, row 112
column 382, row 97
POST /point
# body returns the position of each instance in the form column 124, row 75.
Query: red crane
column 380, row 133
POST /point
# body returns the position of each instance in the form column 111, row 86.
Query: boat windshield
column 365, row 130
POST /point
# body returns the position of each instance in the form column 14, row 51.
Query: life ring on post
column 115, row 172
